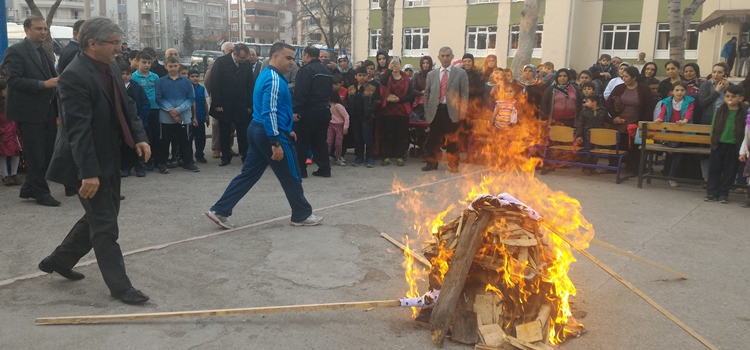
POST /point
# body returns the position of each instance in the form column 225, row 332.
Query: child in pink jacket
column 338, row 127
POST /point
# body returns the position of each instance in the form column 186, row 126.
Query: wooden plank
column 652, row 147
column 493, row 335
column 530, row 332
column 416, row 255
column 483, row 304
column 635, row 290
column 666, row 136
column 455, row 278
column 464, row 327
column 636, row 257
column 213, row 313
column 520, row 242
column 654, row 127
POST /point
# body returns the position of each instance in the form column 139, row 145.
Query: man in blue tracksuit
column 270, row 142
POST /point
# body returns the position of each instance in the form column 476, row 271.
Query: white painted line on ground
column 256, row 224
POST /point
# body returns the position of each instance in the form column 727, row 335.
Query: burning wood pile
column 502, row 279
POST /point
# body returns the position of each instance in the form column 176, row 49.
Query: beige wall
column 503, row 32
column 447, row 26
column 555, row 42
column 360, row 35
column 647, row 41
column 583, row 50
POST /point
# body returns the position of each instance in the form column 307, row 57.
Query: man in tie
column 255, row 63
column 32, row 81
column 446, row 98
column 96, row 118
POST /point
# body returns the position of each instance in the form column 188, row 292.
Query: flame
column 512, row 155
column 413, row 275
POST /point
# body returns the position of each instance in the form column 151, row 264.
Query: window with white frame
column 416, row 3
column 234, row 13
column 514, row 39
column 481, row 40
column 374, row 4
column 662, row 42
column 233, row 2
column 620, row 40
column 472, row 2
column 416, row 42
column 234, row 27
column 374, row 42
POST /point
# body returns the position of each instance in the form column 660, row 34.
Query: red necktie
column 443, row 85
column 121, row 117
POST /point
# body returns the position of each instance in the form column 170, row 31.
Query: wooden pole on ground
column 636, row 257
column 635, row 290
column 213, row 313
column 455, row 278
column 416, row 255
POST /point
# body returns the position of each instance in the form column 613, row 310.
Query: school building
column 570, row 33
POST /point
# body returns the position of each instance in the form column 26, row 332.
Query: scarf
column 423, row 73
column 525, row 82
column 562, row 88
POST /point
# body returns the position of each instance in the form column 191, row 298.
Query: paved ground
column 270, row 263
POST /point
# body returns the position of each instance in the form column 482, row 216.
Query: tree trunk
column 678, row 27
column 388, row 8
column 526, row 36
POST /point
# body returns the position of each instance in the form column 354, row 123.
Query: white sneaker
column 220, row 220
column 673, row 183
column 311, row 220
column 341, row 162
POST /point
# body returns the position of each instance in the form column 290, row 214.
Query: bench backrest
column 561, row 134
column 603, row 137
column 690, row 133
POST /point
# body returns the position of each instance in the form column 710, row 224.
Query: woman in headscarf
column 344, row 67
column 529, row 90
column 418, row 84
column 382, row 60
column 562, row 101
column 691, row 75
column 490, row 63
column 649, row 70
column 395, row 110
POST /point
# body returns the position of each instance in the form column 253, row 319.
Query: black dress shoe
column 48, row 201
column 26, row 194
column 122, row 198
column 321, row 174
column 429, row 167
column 49, row 266
column 131, row 296
column 223, row 163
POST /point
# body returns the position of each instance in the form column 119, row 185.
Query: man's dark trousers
column 722, row 169
column 98, row 229
column 364, row 143
column 225, row 139
column 312, row 133
column 442, row 132
column 258, row 158
column 39, row 143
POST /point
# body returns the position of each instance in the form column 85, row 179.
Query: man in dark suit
column 255, row 63
column 232, row 82
column 96, row 118
column 70, row 50
column 32, row 81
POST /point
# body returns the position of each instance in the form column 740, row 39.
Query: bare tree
column 388, row 8
column 50, row 15
column 132, row 32
column 678, row 27
column 526, row 36
column 331, row 17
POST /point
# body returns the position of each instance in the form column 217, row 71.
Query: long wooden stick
column 416, row 255
column 632, row 288
column 636, row 257
column 213, row 313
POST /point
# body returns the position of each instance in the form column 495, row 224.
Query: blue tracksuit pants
column 258, row 158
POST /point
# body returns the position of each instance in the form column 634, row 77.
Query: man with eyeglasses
column 31, row 102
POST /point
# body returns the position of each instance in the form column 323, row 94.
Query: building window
column 74, row 14
column 314, row 37
column 374, row 4
column 174, row 4
column 233, row 2
column 234, row 27
column 416, row 42
column 234, row 14
column 471, row 2
column 374, row 41
column 121, row 2
column 122, row 16
column 514, row 38
column 662, row 42
column 481, row 40
column 416, row 3
column 620, row 40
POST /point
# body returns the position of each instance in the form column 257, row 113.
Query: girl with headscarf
column 382, row 60
column 344, row 67
column 490, row 63
column 614, row 82
column 418, row 84
column 562, row 101
column 396, row 99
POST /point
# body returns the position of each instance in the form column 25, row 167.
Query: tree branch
column 690, row 10
column 52, row 10
column 33, row 8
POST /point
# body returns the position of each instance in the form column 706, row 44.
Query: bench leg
column 650, row 161
column 642, row 166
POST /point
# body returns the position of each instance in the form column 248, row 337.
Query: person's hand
column 658, row 121
column 219, row 109
column 579, row 140
column 142, row 149
column 681, row 122
column 606, row 75
column 174, row 113
column 208, row 122
column 195, row 122
column 89, row 187
column 277, row 153
column 743, row 159
column 296, row 117
column 346, row 131
column 293, row 136
column 249, row 111
column 50, row 83
column 619, row 121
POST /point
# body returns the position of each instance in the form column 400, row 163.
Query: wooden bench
column 601, row 143
column 695, row 139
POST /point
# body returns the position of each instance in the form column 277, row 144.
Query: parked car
column 197, row 60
